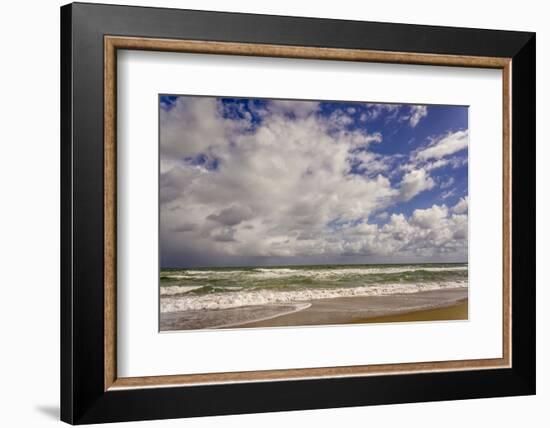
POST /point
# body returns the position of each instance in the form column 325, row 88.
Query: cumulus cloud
column 188, row 122
column 429, row 218
column 462, row 206
column 282, row 181
column 414, row 182
column 433, row 232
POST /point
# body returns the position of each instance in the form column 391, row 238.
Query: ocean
column 227, row 288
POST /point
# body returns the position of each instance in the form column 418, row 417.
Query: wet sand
column 436, row 305
column 226, row 318
column 423, row 306
column 458, row 311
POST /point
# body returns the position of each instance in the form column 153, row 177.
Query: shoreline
column 440, row 305
column 434, row 305
column 297, row 308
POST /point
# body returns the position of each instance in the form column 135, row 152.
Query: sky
column 251, row 182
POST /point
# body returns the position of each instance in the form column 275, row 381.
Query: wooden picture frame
column 91, row 390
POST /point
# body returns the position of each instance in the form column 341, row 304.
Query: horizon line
column 309, row 264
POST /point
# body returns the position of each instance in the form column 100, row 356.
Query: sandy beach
column 434, row 305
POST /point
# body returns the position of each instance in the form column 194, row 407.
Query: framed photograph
column 266, row 213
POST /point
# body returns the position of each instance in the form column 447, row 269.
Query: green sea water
column 211, row 288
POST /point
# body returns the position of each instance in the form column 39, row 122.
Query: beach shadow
column 50, row 411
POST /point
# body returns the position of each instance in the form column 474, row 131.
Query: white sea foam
column 178, row 289
column 172, row 303
column 182, row 289
column 202, row 273
column 337, row 273
column 297, row 307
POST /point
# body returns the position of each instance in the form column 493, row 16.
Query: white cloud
column 430, row 217
column 447, row 194
column 299, row 109
column 284, row 188
column 412, row 114
column 433, row 232
column 189, row 121
column 382, row 216
column 370, row 163
column 374, row 111
column 447, row 183
column 415, row 182
column 416, row 114
column 461, row 207
column 445, row 145
column 340, row 119
column 440, row 163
